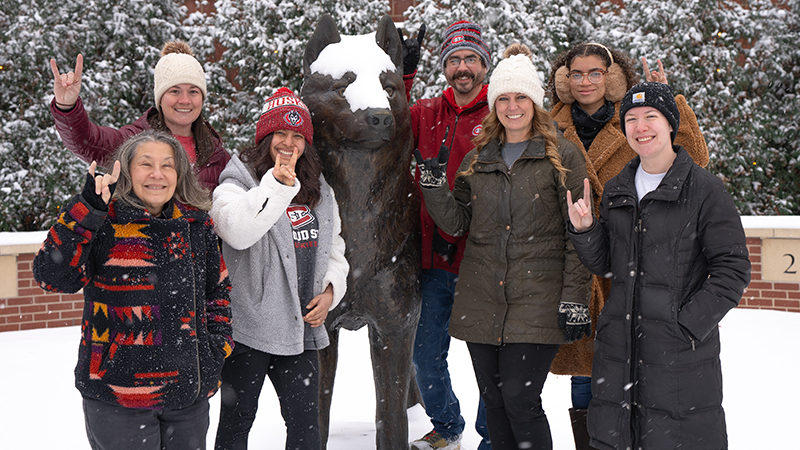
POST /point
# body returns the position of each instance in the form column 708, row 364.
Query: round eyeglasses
column 595, row 76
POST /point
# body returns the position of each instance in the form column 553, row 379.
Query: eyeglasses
column 595, row 76
column 455, row 61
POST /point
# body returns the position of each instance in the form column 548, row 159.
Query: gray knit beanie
column 463, row 35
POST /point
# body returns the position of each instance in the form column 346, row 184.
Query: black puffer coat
column 678, row 262
column 518, row 262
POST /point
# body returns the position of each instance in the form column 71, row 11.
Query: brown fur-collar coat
column 606, row 157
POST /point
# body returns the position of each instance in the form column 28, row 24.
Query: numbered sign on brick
column 780, row 259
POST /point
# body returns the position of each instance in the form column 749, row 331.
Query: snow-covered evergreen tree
column 120, row 42
column 738, row 64
column 760, row 162
column 558, row 25
column 744, row 96
column 264, row 44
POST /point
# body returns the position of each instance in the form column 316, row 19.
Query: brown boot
column 579, row 429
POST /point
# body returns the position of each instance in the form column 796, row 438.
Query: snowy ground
column 40, row 408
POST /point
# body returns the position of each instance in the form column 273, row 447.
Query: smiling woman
column 521, row 290
column 675, row 224
column 179, row 93
column 156, row 297
column 280, row 227
column 153, row 175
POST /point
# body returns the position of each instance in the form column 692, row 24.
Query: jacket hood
column 240, row 172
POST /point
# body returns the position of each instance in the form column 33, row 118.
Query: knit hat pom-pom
column 176, row 47
column 283, row 91
column 517, row 49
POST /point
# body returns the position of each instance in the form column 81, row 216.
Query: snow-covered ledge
column 771, row 226
column 15, row 243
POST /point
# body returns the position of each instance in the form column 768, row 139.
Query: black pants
column 510, row 378
column 114, row 427
column 296, row 382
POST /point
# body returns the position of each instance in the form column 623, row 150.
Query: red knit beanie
column 284, row 111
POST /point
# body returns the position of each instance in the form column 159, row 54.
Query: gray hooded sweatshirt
column 258, row 248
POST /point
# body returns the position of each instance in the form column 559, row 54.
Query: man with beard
column 449, row 121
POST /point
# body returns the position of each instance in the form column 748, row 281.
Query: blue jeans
column 430, row 358
column 581, row 392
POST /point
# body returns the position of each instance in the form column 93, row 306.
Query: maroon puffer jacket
column 92, row 142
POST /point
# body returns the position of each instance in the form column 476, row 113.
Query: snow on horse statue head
column 353, row 86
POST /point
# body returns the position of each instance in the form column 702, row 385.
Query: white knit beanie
column 178, row 67
column 516, row 73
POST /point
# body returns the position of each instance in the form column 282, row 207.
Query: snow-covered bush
column 738, row 66
column 120, row 42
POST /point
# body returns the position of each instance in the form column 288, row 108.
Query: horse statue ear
column 562, row 86
column 616, row 83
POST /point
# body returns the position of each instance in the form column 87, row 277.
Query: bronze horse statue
column 354, row 88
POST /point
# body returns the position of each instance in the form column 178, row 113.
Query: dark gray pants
column 114, row 427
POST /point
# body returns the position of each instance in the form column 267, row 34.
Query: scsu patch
column 457, row 39
column 293, row 118
column 477, row 130
column 299, row 215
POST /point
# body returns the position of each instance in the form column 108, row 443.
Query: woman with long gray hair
column 156, row 318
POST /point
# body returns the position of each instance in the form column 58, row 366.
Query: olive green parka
column 518, row 262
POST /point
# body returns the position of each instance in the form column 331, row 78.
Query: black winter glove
column 442, row 247
column 94, row 200
column 411, row 50
column 433, row 172
column 574, row 319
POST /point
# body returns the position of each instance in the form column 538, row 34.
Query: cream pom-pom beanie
column 516, row 73
column 177, row 66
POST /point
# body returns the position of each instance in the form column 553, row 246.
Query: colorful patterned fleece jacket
column 156, row 323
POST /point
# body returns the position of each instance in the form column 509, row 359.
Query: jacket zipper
column 196, row 313
column 634, row 316
column 450, row 148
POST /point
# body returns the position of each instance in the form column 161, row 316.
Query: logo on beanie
column 293, row 118
column 457, row 39
column 638, row 97
column 477, row 130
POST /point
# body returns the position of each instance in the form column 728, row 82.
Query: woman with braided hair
column 521, row 290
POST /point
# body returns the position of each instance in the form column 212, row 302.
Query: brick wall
column 398, row 7
column 773, row 285
column 32, row 307
column 24, row 306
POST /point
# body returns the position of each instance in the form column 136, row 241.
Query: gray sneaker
column 435, row 441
